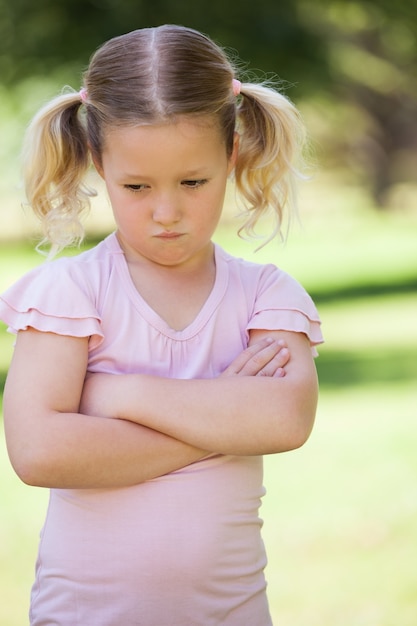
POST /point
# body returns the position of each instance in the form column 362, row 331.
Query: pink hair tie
column 236, row 86
column 83, row 95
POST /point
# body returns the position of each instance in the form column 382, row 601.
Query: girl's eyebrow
column 197, row 172
column 128, row 176
column 133, row 176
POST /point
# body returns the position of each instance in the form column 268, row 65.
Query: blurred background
column 341, row 513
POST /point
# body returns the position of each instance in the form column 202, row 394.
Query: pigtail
column 55, row 161
column 270, row 149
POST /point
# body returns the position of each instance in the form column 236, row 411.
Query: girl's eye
column 135, row 188
column 194, row 183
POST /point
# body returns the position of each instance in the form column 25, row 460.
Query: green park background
column 340, row 515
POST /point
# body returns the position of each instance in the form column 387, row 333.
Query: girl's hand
column 266, row 357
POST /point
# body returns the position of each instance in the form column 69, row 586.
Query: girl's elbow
column 301, row 407
column 299, row 424
column 27, row 473
column 302, row 433
column 305, row 417
column 32, row 468
column 306, row 409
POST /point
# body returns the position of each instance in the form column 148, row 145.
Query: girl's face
column 166, row 184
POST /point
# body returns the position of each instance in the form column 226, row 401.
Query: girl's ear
column 234, row 155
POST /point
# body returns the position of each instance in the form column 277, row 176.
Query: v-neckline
column 153, row 318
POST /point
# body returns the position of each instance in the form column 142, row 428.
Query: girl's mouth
column 169, row 235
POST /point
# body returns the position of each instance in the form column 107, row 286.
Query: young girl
column 152, row 372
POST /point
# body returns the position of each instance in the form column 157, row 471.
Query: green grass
column 341, row 513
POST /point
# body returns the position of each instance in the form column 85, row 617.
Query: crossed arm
column 109, row 431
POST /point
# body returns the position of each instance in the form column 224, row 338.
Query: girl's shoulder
column 259, row 276
column 275, row 299
column 61, row 295
column 90, row 259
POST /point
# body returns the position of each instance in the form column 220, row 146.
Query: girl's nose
column 166, row 210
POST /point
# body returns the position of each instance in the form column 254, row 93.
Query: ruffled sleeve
column 283, row 304
column 55, row 297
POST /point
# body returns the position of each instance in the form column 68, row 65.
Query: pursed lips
column 169, row 235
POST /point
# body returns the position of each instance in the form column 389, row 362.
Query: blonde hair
column 152, row 75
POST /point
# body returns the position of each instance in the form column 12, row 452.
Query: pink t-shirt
column 184, row 549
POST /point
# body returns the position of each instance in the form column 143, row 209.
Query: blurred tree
column 359, row 57
column 37, row 37
column 372, row 61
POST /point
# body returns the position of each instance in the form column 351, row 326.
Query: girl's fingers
column 275, row 367
column 262, row 358
column 248, row 359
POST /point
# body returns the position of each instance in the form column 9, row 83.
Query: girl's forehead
column 185, row 128
column 181, row 145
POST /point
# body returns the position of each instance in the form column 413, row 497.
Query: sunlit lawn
column 341, row 517
column 341, row 513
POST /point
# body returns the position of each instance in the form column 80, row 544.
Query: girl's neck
column 176, row 294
